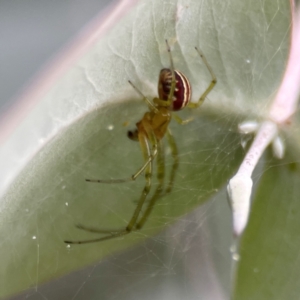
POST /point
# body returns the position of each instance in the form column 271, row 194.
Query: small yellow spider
column 174, row 93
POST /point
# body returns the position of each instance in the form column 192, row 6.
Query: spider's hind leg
column 211, row 85
column 173, row 81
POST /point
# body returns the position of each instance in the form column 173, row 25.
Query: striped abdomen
column 182, row 92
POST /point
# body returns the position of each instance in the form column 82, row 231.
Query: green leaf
column 89, row 110
column 51, row 195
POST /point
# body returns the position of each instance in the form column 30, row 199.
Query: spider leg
column 97, row 239
column 160, row 177
column 112, row 233
column 174, row 152
column 180, row 121
column 211, row 85
column 150, row 104
column 173, row 84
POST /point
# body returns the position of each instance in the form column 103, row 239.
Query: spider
column 174, row 93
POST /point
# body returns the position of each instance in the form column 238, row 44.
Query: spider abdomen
column 182, row 92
